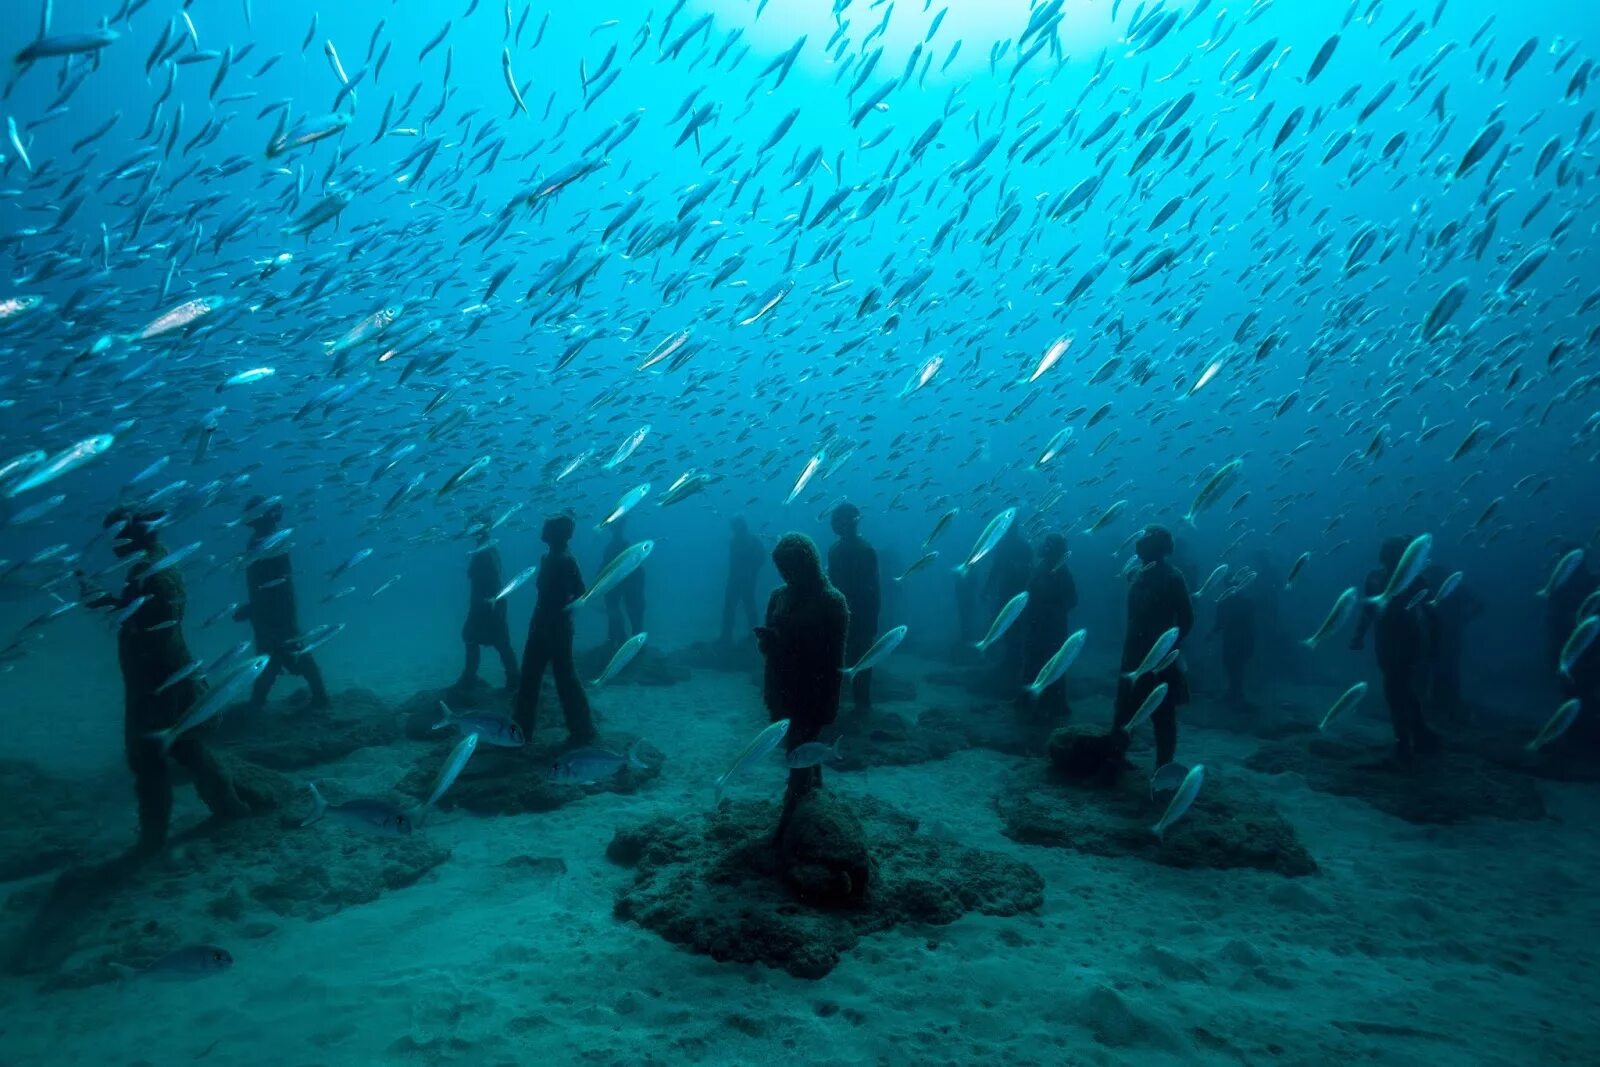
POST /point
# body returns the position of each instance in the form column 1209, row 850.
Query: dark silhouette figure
column 1402, row 636
column 486, row 622
column 1010, row 567
column 270, row 608
column 803, row 641
column 1158, row 600
column 1449, row 618
column 745, row 557
column 625, row 600
column 1583, row 683
column 550, row 634
column 1052, row 594
column 853, row 570
column 150, row 649
column 1236, row 625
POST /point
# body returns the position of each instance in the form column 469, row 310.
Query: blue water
column 179, row 200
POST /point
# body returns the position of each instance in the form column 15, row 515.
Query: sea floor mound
column 1016, row 730
column 888, row 739
column 223, row 882
column 1568, row 759
column 1073, row 802
column 514, row 781
column 650, row 667
column 1450, row 786
column 290, row 734
column 43, row 823
column 720, row 886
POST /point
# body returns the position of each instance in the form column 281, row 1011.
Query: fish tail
column 961, row 569
column 1309, row 642
column 633, row 756
column 1159, row 830
column 837, row 741
column 164, row 738
column 318, row 805
column 848, row 672
column 123, row 972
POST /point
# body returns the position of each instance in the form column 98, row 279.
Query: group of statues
column 815, row 624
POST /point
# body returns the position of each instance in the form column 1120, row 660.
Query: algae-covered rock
column 290, row 734
column 823, row 853
column 887, row 739
column 1088, row 754
column 44, row 821
column 246, row 872
column 1230, row 824
column 719, row 885
column 1443, row 787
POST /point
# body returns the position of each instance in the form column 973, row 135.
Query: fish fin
column 318, row 805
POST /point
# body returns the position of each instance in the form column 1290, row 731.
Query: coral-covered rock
column 720, row 886
column 1230, row 824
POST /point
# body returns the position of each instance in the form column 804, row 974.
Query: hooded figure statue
column 803, row 642
column 1158, row 600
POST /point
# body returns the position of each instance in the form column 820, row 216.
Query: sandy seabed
column 1468, row 943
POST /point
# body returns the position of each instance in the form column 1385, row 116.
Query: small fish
column 877, row 653
column 494, row 729
column 367, row 814
column 1294, row 571
column 1347, row 700
column 1217, row 574
column 1565, row 566
column 189, row 962
column 314, row 638
column 1446, row 587
column 806, row 475
column 1557, row 725
column 454, row 764
column 623, row 564
column 1058, row 665
column 621, row 658
column 1337, row 616
column 1002, row 622
column 1411, row 564
column 517, row 581
column 1168, row 777
column 939, row 527
column 813, row 754
column 921, row 562
column 1578, row 643
column 764, row 742
column 1152, row 701
column 990, row 537
column 1181, row 800
column 1159, row 651
column 212, row 704
column 588, row 765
